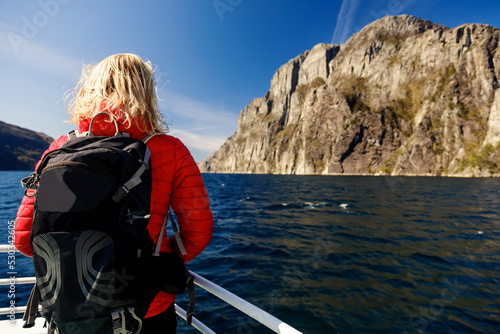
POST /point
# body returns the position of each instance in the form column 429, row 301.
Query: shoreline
column 364, row 174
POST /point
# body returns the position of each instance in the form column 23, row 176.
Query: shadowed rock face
column 403, row 96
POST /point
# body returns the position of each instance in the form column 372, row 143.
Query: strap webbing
column 76, row 134
column 177, row 235
column 192, row 299
column 148, row 137
column 134, row 180
column 160, row 237
column 32, row 308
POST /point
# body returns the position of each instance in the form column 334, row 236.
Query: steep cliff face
column 403, row 96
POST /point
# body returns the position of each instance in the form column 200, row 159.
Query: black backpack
column 89, row 237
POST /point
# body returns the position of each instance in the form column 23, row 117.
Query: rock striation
column 403, row 96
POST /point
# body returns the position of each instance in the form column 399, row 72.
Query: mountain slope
column 20, row 149
column 404, row 96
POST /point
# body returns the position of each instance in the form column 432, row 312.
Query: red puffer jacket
column 176, row 182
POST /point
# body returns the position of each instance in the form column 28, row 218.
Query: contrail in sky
column 345, row 21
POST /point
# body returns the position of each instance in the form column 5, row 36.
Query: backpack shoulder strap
column 177, row 234
column 148, row 137
column 134, row 180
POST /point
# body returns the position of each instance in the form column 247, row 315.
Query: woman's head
column 122, row 84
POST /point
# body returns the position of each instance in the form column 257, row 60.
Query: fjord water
column 341, row 254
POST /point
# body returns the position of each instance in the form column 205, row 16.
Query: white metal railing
column 249, row 309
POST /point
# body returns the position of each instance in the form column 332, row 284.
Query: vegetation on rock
column 403, row 96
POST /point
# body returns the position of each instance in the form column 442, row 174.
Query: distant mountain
column 403, row 96
column 20, row 149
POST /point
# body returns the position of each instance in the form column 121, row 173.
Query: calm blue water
column 342, row 254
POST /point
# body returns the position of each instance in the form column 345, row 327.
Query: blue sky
column 212, row 57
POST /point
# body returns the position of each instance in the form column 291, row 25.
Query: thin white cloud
column 199, row 125
column 204, row 143
column 345, row 21
column 346, row 18
column 16, row 48
column 203, row 114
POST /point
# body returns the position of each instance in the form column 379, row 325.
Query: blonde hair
column 122, row 82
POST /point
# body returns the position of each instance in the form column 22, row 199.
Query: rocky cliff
column 404, row 96
column 20, row 149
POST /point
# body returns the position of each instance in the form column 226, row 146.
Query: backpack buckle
column 119, row 319
column 30, row 182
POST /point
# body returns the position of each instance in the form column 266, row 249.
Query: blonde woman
column 123, row 85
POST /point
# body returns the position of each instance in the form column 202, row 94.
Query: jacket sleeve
column 24, row 218
column 190, row 202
